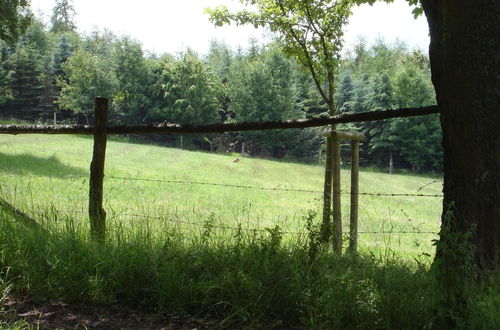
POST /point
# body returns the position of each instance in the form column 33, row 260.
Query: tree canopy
column 15, row 16
column 310, row 31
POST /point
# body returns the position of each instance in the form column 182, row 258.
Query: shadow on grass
column 32, row 165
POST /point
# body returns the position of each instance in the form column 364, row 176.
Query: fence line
column 100, row 130
column 229, row 185
column 168, row 128
column 201, row 224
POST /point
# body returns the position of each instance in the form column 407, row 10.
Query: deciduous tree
column 15, row 17
column 310, row 31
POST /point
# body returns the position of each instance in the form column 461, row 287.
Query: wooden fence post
column 353, row 229
column 326, row 227
column 337, row 213
column 97, row 214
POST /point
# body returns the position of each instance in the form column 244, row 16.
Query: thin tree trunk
column 391, row 164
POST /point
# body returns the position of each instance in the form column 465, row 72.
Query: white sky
column 173, row 25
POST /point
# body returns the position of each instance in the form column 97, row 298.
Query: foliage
column 15, row 17
column 88, row 78
column 417, row 9
column 63, row 17
column 191, row 91
column 131, row 72
column 310, row 31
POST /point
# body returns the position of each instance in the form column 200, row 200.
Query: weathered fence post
column 97, row 214
column 326, row 227
column 337, row 213
column 353, row 228
column 336, row 137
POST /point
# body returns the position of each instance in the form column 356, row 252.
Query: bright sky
column 173, row 25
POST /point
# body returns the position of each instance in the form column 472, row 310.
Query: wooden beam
column 168, row 128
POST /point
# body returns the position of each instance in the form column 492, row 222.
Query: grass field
column 41, row 172
column 169, row 250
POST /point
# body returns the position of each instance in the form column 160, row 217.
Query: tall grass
column 237, row 278
column 169, row 249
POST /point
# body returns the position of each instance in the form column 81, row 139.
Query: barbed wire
column 202, row 224
column 268, row 188
column 213, row 184
column 229, row 185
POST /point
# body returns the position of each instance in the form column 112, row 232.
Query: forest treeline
column 55, row 69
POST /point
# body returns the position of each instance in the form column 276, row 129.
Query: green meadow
column 158, row 185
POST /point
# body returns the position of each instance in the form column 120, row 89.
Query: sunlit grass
column 41, row 172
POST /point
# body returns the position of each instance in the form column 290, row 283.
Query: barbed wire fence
column 101, row 130
column 84, row 179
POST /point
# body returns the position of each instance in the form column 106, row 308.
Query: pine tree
column 5, row 76
column 62, row 53
column 63, row 15
column 27, row 83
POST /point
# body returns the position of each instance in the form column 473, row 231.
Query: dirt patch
column 57, row 315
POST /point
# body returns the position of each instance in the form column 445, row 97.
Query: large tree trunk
column 465, row 63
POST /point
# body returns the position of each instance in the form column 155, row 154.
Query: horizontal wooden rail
column 222, row 127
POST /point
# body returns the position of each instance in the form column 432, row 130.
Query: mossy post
column 97, row 215
column 326, row 227
column 336, row 207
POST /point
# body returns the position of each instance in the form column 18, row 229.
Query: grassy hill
column 47, row 177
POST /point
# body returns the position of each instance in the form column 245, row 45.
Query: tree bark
column 97, row 214
column 465, row 63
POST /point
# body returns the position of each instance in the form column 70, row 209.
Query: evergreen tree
column 219, row 60
column 344, row 96
column 5, row 75
column 27, row 84
column 63, row 15
column 417, row 139
column 62, row 53
column 379, row 132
